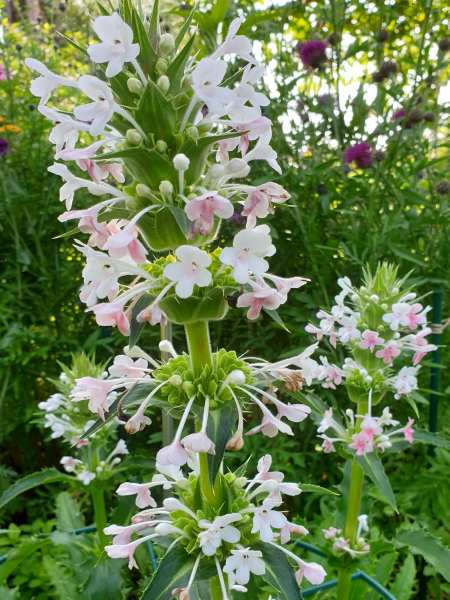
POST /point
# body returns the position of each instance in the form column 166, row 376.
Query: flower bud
column 164, row 528
column 163, row 84
column 236, row 165
column 76, row 410
column 193, row 133
column 186, row 83
column 161, row 66
column 396, row 335
column 368, row 379
column 395, row 290
column 166, row 346
column 166, row 44
column 134, row 137
column 236, row 442
column 205, row 128
column 354, row 297
column 236, row 377
column 176, row 381
column 216, row 171
column 161, row 146
column 143, row 191
column 166, row 188
column 374, row 298
column 384, row 306
column 240, row 482
column 192, row 196
column 182, row 483
column 125, row 145
column 181, row 162
column 135, row 86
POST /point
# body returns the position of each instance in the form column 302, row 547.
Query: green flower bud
column 135, row 86
column 179, row 140
column 176, row 381
column 125, row 145
column 166, row 44
column 163, row 84
column 166, row 188
column 189, row 388
column 132, row 204
column 143, row 191
column 192, row 196
column 182, row 483
column 161, row 146
column 134, row 137
column 186, row 83
column 384, row 306
column 193, row 133
column 161, row 66
column 240, row 482
column 204, row 128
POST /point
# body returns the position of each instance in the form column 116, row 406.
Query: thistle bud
column 378, row 155
column 429, row 116
column 193, row 133
column 383, row 36
column 181, row 162
column 166, row 44
column 166, row 188
column 161, row 66
column 444, row 44
column 135, row 86
column 163, row 84
column 134, row 137
column 415, row 116
column 442, row 188
column 236, row 165
column 161, row 146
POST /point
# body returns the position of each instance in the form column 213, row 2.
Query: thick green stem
column 98, row 500
column 198, row 341
column 354, row 501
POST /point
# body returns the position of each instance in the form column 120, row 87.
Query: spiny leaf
column 50, row 475
column 219, row 429
column 372, row 467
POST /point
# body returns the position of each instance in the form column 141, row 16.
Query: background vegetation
column 339, row 219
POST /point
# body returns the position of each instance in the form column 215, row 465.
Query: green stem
column 198, row 341
column 354, row 501
column 98, row 500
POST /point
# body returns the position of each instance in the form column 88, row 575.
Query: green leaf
column 120, row 88
column 184, row 29
column 211, row 307
column 173, row 572
column 279, row 572
column 147, row 57
column 146, row 166
column 426, row 437
column 17, row 555
column 74, row 44
column 402, row 588
column 102, row 9
column 399, row 251
column 309, row 487
column 176, row 69
column 51, row 475
column 372, row 467
column 181, row 218
column 105, row 581
column 421, row 542
column 155, row 114
column 161, row 229
column 136, row 328
column 274, row 315
column 115, row 213
column 220, row 426
column 310, row 400
column 153, row 29
column 68, row 513
column 64, row 584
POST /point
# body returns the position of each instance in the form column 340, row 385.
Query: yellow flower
column 2, row 129
column 2, row 119
column 12, row 128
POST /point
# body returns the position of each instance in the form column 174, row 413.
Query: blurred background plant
column 363, row 116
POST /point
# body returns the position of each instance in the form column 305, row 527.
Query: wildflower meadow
column 224, row 300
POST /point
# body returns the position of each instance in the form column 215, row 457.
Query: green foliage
column 279, row 573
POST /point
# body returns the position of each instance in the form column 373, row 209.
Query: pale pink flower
column 142, row 491
column 361, row 443
column 192, row 269
column 88, row 220
column 332, row 374
column 331, row 532
column 245, row 89
column 414, row 317
column 66, row 130
column 198, row 442
column 249, row 248
column 327, row 444
column 235, row 44
column 259, row 202
column 264, row 472
column 370, row 427
column 153, row 315
column 296, row 413
column 405, row 382
column 125, row 551
column 270, row 426
column 73, row 183
column 174, row 454
column 398, row 316
column 117, row 46
column 94, row 390
column 218, row 531
column 123, row 240
column 125, row 366
column 388, row 352
column 262, row 296
column 313, row 572
column 138, row 421
column 122, row 535
column 349, row 330
column 285, row 285
column 112, row 315
column 370, row 340
column 263, row 151
column 202, row 209
column 408, row 431
column 289, row 528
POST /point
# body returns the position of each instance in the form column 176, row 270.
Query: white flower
column 191, row 270
column 117, row 46
column 235, row 44
column 70, row 464
column 262, row 151
column 386, row 418
column 101, row 110
column 58, row 426
column 405, row 382
column 249, row 248
column 73, row 183
column 121, row 448
column 52, row 403
column 349, row 329
column 245, row 89
column 217, row 531
column 244, row 562
column 207, row 77
column 265, row 518
column 125, row 366
column 44, row 85
column 65, row 132
column 398, row 316
column 142, row 491
column 86, row 477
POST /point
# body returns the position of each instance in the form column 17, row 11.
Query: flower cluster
column 171, row 205
column 232, row 540
column 96, row 454
column 337, row 544
column 370, row 326
column 183, row 392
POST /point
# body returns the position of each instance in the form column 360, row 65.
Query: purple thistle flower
column 398, row 114
column 361, row 154
column 313, row 53
column 3, row 147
